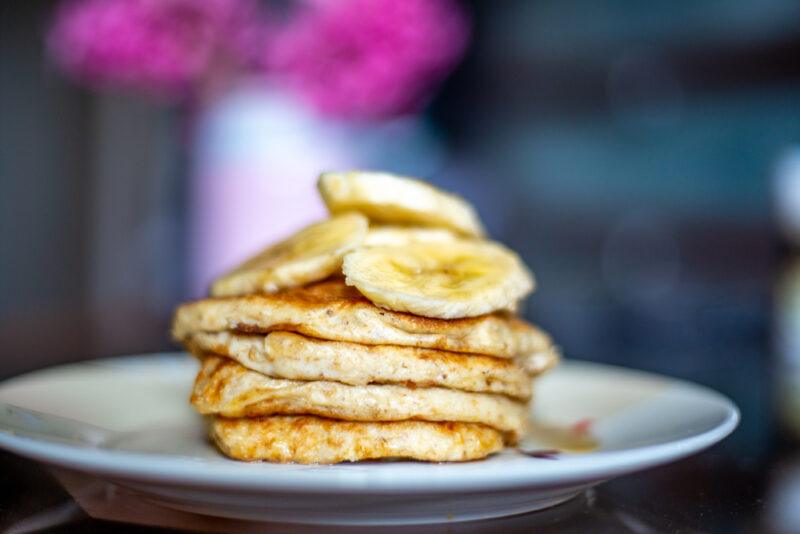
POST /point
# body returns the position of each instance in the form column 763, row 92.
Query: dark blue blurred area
column 626, row 149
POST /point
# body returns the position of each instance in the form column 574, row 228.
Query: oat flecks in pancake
column 309, row 439
column 331, row 310
column 297, row 357
column 224, row 387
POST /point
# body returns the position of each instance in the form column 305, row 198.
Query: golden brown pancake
column 297, row 357
column 540, row 362
column 308, row 439
column 224, row 387
column 331, row 310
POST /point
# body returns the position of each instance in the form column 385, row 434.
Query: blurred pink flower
column 157, row 46
column 368, row 58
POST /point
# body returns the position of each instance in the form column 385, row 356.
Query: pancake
column 331, row 310
column 297, row 357
column 224, row 387
column 539, row 362
column 308, row 440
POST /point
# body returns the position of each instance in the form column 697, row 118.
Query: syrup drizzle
column 552, row 440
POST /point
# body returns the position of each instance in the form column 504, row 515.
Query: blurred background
column 643, row 157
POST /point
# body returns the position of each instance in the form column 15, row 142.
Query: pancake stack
column 385, row 331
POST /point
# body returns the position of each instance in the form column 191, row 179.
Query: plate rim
column 116, row 465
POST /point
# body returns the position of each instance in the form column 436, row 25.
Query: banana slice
column 390, row 199
column 461, row 279
column 312, row 254
column 399, row 236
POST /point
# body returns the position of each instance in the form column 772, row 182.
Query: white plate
column 127, row 420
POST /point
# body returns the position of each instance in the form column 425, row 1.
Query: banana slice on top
column 461, row 279
column 389, row 199
column 312, row 254
column 398, row 236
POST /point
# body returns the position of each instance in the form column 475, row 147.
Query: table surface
column 711, row 492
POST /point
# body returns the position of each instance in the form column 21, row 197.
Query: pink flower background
column 368, row 58
column 361, row 59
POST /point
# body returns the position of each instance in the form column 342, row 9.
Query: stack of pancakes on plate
column 386, row 331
